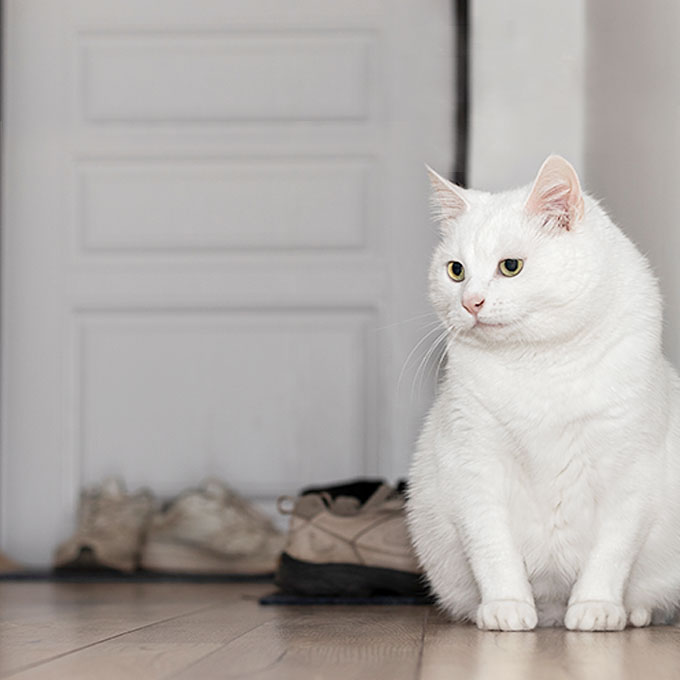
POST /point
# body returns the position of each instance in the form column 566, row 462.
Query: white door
column 214, row 217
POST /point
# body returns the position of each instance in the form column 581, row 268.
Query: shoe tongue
column 113, row 488
column 345, row 505
column 309, row 506
column 382, row 493
column 214, row 488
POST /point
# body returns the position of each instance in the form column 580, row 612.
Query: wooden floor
column 219, row 631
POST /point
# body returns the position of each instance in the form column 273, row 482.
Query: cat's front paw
column 506, row 615
column 595, row 615
column 640, row 617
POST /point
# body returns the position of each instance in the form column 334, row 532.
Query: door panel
column 236, row 76
column 225, row 205
column 225, row 391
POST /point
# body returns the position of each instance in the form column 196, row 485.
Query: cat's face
column 517, row 266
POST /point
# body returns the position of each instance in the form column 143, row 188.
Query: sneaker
column 212, row 530
column 110, row 531
column 341, row 545
column 8, row 565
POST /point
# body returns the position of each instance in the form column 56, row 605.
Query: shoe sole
column 339, row 579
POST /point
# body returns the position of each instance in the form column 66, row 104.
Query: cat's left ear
column 556, row 194
column 448, row 200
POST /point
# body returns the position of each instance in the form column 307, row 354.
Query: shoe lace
column 114, row 516
column 344, row 505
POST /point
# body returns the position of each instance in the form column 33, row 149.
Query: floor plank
column 322, row 642
column 41, row 621
column 159, row 650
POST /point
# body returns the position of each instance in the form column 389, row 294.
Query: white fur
column 546, row 483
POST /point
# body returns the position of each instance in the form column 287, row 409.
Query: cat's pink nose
column 473, row 303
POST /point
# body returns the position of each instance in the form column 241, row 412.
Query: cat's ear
column 448, row 200
column 556, row 194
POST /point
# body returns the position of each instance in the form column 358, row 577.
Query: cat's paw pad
column 506, row 615
column 640, row 617
column 595, row 615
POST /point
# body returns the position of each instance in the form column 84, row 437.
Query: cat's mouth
column 487, row 324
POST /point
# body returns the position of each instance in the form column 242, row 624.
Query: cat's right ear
column 448, row 200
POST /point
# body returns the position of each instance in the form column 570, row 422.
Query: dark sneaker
column 353, row 545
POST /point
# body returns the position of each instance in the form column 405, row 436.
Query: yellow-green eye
column 510, row 267
column 455, row 270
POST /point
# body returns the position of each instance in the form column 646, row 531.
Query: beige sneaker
column 110, row 531
column 339, row 546
column 8, row 565
column 212, row 530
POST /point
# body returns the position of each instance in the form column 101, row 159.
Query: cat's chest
column 559, row 478
column 566, row 425
column 559, row 429
column 555, row 424
column 537, row 401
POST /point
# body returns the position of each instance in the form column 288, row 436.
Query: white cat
column 546, row 485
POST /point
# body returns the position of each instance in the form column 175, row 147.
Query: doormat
column 279, row 598
column 141, row 576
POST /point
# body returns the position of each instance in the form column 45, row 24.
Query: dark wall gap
column 461, row 122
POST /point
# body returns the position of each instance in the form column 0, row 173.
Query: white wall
column 527, row 88
column 632, row 134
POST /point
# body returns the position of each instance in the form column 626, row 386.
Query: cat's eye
column 455, row 270
column 510, row 267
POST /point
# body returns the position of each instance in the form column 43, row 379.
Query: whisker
column 412, row 352
column 423, row 362
column 442, row 357
column 422, row 368
column 443, row 353
column 454, row 333
column 413, row 318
